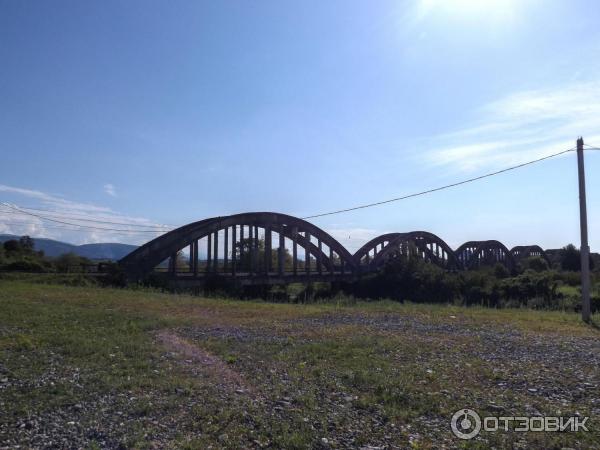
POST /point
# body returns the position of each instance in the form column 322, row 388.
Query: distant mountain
column 112, row 251
column 54, row 248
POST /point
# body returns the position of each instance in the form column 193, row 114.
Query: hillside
column 52, row 248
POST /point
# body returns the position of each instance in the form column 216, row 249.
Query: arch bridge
column 274, row 248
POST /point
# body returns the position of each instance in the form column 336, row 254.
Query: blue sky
column 162, row 113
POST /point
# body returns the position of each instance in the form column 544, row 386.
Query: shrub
column 11, row 247
column 413, row 280
column 70, row 262
column 535, row 263
column 114, row 275
column 500, row 271
column 570, row 258
column 24, row 265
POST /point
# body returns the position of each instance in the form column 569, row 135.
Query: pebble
column 344, row 424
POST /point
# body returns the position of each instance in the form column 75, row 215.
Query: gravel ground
column 237, row 386
column 556, row 374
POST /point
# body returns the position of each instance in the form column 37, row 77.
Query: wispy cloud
column 54, row 200
column 137, row 230
column 110, row 190
column 71, row 221
column 522, row 126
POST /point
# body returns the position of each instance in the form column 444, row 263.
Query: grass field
column 85, row 367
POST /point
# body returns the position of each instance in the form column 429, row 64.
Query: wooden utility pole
column 585, row 249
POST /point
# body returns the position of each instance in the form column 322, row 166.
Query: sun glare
column 492, row 10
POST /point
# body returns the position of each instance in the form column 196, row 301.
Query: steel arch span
column 367, row 252
column 420, row 244
column 521, row 252
column 232, row 246
column 269, row 247
column 473, row 254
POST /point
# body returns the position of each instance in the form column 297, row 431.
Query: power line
column 76, row 224
column 156, row 227
column 57, row 227
column 20, row 222
column 40, row 224
column 55, row 215
column 429, row 191
column 86, row 218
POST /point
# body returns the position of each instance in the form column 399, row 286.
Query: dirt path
column 204, row 362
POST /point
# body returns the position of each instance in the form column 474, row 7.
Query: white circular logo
column 465, row 424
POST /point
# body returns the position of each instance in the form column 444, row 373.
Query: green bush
column 418, row 281
column 535, row 263
column 570, row 258
column 413, row 280
column 25, row 265
column 70, row 262
column 114, row 275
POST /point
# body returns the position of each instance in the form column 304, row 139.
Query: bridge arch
column 472, row 254
column 367, row 252
column 521, row 252
column 422, row 244
column 264, row 246
column 234, row 239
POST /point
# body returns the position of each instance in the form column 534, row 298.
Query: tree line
column 534, row 283
column 21, row 256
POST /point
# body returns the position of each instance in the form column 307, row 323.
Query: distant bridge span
column 273, row 248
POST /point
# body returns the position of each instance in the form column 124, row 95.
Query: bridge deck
column 187, row 279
